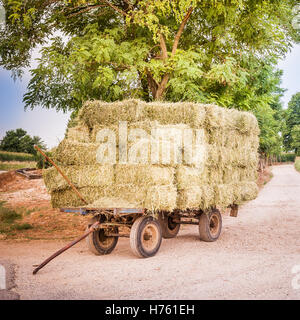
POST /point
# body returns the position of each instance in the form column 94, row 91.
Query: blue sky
column 51, row 125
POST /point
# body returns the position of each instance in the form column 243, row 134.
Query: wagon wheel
column 145, row 237
column 99, row 243
column 210, row 225
column 169, row 228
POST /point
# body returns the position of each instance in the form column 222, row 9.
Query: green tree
column 292, row 123
column 207, row 51
column 269, row 110
column 19, row 141
column 295, row 133
column 210, row 51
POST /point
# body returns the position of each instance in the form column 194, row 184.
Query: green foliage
column 295, row 134
column 23, row 226
column 15, row 156
column 8, row 218
column 8, row 215
column 208, row 51
column 269, row 111
column 41, row 162
column 297, row 165
column 205, row 51
column 19, row 141
column 287, row 157
column 292, row 129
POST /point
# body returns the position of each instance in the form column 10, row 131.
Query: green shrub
column 8, row 218
column 41, row 162
column 287, row 157
column 8, row 215
column 297, row 165
column 23, row 226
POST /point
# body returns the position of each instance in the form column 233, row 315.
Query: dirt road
column 253, row 259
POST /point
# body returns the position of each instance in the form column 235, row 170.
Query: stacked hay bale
column 218, row 167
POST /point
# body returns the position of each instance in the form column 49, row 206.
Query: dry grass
column 14, row 165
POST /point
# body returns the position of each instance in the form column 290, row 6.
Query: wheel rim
column 150, row 237
column 105, row 241
column 171, row 224
column 214, row 224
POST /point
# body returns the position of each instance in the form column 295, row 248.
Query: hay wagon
column 144, row 229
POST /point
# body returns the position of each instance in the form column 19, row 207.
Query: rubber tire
column 168, row 231
column 136, row 236
column 205, row 225
column 94, row 243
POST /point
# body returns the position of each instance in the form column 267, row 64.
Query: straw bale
column 144, row 175
column 191, row 176
column 80, row 133
column 81, row 176
column 190, row 198
column 218, row 168
column 102, row 113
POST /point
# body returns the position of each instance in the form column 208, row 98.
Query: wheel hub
column 150, row 237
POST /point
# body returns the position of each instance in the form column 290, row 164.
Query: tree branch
column 180, row 30
column 82, row 10
column 115, row 8
column 163, row 47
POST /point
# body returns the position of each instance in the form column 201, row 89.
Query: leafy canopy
column 19, row 141
column 221, row 51
column 206, row 51
column 292, row 129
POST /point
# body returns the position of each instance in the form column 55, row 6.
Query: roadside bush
column 297, row 165
column 8, row 219
column 287, row 157
column 41, row 162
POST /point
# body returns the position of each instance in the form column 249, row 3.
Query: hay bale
column 232, row 174
column 130, row 193
column 144, row 175
column 81, row 176
column 191, row 176
column 113, row 202
column 224, row 195
column 212, row 162
column 106, row 114
column 208, row 196
column 216, row 174
column 151, row 197
column 161, row 198
column 80, row 133
column 71, row 153
column 248, row 191
column 230, row 119
column 190, row 198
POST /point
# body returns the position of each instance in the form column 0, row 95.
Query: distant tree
column 19, row 141
column 295, row 133
column 269, row 110
column 291, row 133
